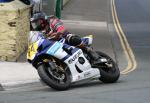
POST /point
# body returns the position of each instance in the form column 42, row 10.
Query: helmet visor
column 38, row 25
column 34, row 25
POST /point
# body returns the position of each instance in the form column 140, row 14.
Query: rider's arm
column 55, row 35
column 58, row 29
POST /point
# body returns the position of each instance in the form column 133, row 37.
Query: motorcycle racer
column 53, row 28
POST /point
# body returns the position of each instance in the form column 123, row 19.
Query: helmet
column 38, row 21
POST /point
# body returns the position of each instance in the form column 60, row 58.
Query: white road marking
column 91, row 24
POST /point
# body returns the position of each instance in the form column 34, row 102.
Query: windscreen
column 34, row 36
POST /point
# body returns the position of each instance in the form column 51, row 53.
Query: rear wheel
column 57, row 78
column 109, row 70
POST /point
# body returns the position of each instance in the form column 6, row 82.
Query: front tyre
column 55, row 79
column 109, row 71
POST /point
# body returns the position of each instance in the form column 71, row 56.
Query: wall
column 14, row 29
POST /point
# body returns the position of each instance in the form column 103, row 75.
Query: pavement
column 12, row 74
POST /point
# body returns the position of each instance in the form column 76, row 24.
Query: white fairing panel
column 87, row 71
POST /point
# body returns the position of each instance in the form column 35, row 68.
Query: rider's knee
column 74, row 40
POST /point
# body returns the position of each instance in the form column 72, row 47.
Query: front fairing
column 33, row 49
column 45, row 47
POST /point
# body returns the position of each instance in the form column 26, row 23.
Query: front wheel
column 56, row 79
column 109, row 70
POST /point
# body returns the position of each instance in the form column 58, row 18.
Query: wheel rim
column 108, row 66
column 58, row 77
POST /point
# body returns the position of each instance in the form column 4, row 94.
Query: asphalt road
column 134, row 87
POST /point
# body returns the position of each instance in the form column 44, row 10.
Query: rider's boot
column 94, row 56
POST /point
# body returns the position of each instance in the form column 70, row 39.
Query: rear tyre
column 109, row 71
column 56, row 80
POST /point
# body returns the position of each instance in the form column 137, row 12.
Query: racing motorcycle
column 59, row 65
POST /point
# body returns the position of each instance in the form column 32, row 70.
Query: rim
column 57, row 75
column 108, row 66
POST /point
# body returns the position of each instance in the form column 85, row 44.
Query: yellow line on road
column 124, row 42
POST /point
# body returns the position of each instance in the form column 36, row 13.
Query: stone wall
column 14, row 29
